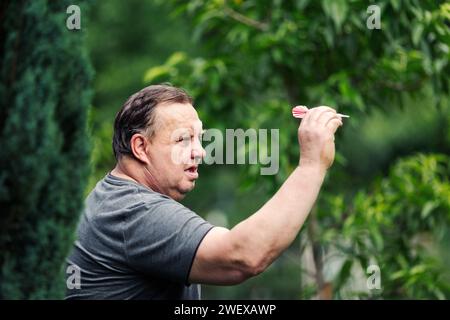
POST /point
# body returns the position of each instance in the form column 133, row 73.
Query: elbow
column 241, row 273
column 248, row 261
column 249, row 267
column 254, row 267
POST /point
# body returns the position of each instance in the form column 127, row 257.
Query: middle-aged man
column 136, row 241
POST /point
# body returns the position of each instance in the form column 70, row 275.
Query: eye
column 184, row 139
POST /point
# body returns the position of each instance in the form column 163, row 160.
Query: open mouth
column 192, row 172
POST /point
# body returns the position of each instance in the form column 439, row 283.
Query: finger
column 308, row 119
column 317, row 112
column 326, row 116
column 334, row 124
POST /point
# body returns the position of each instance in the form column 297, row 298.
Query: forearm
column 268, row 232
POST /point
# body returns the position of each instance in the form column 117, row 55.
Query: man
column 136, row 241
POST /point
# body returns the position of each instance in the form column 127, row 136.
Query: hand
column 316, row 137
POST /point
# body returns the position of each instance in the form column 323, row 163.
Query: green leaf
column 428, row 208
column 395, row 4
column 156, row 72
column 343, row 274
column 176, row 58
column 417, row 33
column 336, row 10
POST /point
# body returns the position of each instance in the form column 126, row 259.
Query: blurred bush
column 44, row 99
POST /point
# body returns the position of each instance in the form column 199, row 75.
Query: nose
column 197, row 153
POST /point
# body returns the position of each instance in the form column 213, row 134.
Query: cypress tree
column 44, row 152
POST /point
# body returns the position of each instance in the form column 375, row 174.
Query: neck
column 130, row 169
column 123, row 171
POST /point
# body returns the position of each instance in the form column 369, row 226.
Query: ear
column 139, row 144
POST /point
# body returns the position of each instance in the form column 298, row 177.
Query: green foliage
column 44, row 98
column 384, row 136
column 400, row 224
column 325, row 42
column 263, row 57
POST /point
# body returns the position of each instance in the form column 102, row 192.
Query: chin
column 188, row 188
column 181, row 193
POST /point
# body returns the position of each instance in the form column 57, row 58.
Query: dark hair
column 137, row 115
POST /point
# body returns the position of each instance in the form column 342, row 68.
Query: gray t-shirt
column 134, row 243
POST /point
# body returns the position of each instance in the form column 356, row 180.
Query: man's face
column 175, row 149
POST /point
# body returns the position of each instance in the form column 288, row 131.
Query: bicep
column 214, row 261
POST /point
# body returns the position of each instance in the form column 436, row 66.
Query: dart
column 300, row 112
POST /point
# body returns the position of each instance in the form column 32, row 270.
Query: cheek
column 179, row 154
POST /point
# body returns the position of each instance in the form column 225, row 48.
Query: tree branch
column 262, row 26
column 324, row 288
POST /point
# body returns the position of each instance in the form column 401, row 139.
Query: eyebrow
column 192, row 130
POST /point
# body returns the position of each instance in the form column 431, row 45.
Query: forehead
column 177, row 115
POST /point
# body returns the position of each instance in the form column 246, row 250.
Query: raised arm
column 231, row 256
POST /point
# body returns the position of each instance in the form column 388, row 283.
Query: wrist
column 312, row 166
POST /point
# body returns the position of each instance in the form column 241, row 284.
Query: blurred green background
column 385, row 201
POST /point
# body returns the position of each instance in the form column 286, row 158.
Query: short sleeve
column 162, row 237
